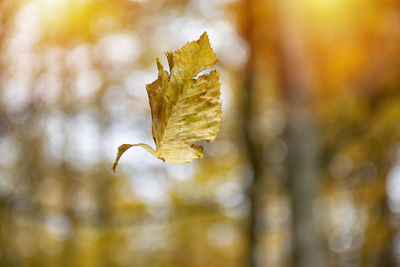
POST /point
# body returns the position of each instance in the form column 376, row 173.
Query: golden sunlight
column 328, row 7
column 64, row 18
column 52, row 9
column 329, row 4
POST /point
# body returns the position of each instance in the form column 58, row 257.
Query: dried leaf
column 184, row 109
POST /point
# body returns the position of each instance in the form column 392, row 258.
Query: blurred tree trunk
column 301, row 134
column 8, row 10
column 251, row 146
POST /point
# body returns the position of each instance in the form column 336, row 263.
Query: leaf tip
column 170, row 58
column 121, row 150
column 204, row 35
column 159, row 65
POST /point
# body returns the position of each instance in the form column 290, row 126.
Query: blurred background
column 305, row 170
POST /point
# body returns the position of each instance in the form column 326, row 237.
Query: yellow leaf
column 184, row 109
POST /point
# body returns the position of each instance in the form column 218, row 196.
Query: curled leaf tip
column 121, row 150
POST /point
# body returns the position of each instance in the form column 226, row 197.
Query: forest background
column 305, row 170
